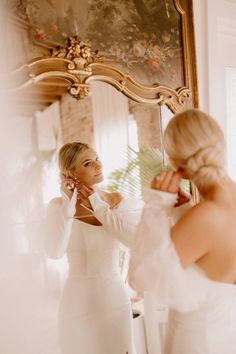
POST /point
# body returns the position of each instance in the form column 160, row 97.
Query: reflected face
column 88, row 168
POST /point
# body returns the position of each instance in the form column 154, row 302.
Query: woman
column 95, row 313
column 191, row 265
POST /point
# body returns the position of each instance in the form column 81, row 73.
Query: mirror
column 121, row 83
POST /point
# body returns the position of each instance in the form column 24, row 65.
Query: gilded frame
column 79, row 72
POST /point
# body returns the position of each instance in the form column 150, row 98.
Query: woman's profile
column 87, row 224
column 191, row 265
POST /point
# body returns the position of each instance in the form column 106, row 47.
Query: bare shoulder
column 204, row 219
column 113, row 199
column 202, row 215
column 207, row 211
column 195, row 233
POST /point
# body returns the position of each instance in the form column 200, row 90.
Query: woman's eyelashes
column 89, row 162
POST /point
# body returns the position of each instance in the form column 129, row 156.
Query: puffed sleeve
column 154, row 262
column 58, row 223
column 121, row 221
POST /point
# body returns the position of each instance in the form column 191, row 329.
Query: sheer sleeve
column 58, row 223
column 121, row 221
column 154, row 263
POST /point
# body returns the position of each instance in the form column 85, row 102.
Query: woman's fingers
column 84, row 191
column 157, row 181
column 167, row 181
column 174, row 183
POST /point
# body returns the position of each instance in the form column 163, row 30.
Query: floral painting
column 140, row 37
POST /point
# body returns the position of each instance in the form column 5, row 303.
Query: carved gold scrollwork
column 80, row 54
column 80, row 57
column 79, row 90
column 175, row 100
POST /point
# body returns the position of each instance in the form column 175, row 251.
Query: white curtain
column 29, row 289
column 110, row 116
column 49, row 140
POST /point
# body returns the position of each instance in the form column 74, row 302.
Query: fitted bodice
column 92, row 251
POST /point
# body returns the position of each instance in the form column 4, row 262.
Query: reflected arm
column 120, row 221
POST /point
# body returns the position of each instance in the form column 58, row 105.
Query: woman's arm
column 192, row 230
column 58, row 223
column 121, row 221
column 154, row 263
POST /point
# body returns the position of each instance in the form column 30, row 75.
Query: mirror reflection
column 117, row 129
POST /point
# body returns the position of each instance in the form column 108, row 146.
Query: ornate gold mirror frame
column 78, row 65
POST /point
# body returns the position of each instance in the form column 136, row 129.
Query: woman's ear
column 69, row 174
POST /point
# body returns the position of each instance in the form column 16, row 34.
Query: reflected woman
column 95, row 312
column 191, row 265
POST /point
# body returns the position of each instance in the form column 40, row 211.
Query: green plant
column 142, row 166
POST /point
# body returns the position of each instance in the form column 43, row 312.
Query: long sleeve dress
column 202, row 312
column 95, row 311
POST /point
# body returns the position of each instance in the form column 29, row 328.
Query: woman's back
column 220, row 262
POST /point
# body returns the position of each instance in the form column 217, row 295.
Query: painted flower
column 115, row 50
column 153, row 64
column 157, row 51
column 171, row 53
column 166, row 36
column 139, row 49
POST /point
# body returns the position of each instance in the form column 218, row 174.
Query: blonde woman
column 87, row 224
column 191, row 265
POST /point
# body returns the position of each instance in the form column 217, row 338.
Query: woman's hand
column 169, row 181
column 83, row 193
column 68, row 185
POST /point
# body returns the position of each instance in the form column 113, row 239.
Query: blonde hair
column 195, row 142
column 68, row 156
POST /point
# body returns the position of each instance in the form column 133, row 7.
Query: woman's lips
column 98, row 174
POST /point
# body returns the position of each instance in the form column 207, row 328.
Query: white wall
column 201, row 43
column 215, row 34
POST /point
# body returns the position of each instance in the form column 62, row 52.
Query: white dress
column 202, row 312
column 95, row 312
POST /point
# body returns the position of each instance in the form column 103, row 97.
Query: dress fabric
column 95, row 314
column 202, row 312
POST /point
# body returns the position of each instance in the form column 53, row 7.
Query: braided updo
column 195, row 142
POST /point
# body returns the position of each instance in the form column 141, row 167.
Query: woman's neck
column 211, row 192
